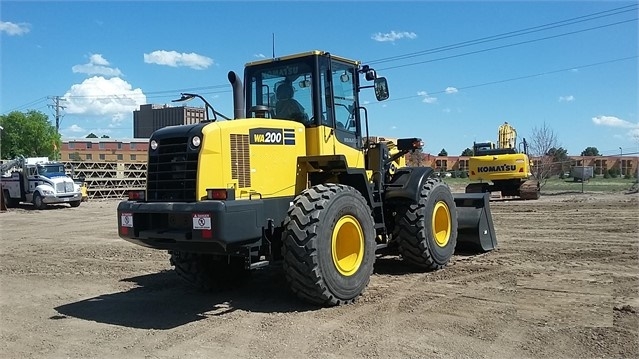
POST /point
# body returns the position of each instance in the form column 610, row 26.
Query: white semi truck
column 38, row 181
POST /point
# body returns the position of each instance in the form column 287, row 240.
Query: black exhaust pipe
column 238, row 95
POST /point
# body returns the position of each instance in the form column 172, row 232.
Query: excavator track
column 529, row 190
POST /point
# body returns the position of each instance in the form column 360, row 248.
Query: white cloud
column 612, row 121
column 446, row 110
column 75, row 129
column 393, row 36
column 98, row 96
column 569, row 98
column 451, row 90
column 175, row 59
column 260, row 56
column 97, row 65
column 426, row 97
column 12, row 29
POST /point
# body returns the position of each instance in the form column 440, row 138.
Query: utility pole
column 57, row 107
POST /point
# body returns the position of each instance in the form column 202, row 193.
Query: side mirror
column 381, row 88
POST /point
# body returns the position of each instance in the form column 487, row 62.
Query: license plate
column 127, row 220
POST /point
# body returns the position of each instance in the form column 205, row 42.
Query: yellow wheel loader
column 294, row 178
column 502, row 168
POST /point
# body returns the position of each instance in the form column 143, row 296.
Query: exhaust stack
column 238, row 95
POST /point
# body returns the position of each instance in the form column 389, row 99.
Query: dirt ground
column 564, row 283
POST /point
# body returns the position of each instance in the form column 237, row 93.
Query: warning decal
column 201, row 221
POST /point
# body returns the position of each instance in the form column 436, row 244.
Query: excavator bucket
column 475, row 229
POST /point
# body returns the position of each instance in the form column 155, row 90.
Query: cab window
column 284, row 90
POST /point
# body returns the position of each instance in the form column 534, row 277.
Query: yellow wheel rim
column 347, row 245
column 441, row 224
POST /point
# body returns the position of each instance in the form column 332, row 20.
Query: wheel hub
column 347, row 245
column 441, row 224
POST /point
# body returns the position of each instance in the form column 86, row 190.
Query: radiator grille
column 59, row 187
column 240, row 160
column 172, row 171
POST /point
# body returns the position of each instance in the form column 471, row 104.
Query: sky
column 456, row 70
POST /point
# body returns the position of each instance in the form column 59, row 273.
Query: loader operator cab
column 314, row 88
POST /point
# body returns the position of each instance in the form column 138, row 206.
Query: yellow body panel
column 257, row 157
column 498, row 167
column 322, row 141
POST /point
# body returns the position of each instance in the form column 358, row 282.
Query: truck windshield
column 284, row 88
column 51, row 170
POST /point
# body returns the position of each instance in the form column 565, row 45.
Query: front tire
column 426, row 231
column 329, row 245
column 75, row 203
column 38, row 202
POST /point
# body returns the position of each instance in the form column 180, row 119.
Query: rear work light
column 220, row 194
column 136, row 195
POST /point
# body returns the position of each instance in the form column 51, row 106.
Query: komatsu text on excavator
column 294, row 178
column 502, row 168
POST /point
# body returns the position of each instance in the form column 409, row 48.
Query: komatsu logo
column 502, row 168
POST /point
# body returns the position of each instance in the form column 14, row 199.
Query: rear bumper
column 206, row 226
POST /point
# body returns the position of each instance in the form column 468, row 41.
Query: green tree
column 443, row 153
column 105, row 136
column 467, row 152
column 590, row 151
column 92, row 135
column 560, row 161
column 28, row 134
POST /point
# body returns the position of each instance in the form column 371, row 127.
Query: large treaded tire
column 208, row 272
column 414, row 232
column 312, row 229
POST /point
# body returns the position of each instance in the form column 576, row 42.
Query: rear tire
column 8, row 201
column 208, row 271
column 329, row 245
column 37, row 201
column 426, row 231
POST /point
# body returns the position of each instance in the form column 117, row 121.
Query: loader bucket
column 475, row 229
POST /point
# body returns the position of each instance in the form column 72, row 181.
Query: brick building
column 150, row 118
column 105, row 149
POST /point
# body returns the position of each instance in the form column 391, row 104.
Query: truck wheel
column 329, row 244
column 208, row 271
column 426, row 231
column 10, row 202
column 75, row 203
column 37, row 201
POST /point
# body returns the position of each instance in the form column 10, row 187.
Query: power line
column 507, row 45
column 517, row 78
column 505, row 35
column 571, row 21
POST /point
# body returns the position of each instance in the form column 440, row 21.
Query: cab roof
column 303, row 54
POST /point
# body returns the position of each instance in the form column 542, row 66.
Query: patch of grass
column 597, row 184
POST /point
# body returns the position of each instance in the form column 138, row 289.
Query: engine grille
column 240, row 160
column 59, row 187
column 172, row 171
